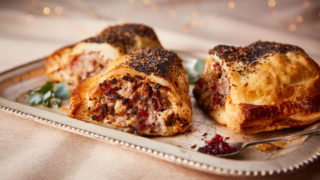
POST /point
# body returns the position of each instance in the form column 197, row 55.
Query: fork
column 240, row 146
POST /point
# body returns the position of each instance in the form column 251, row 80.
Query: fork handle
column 282, row 138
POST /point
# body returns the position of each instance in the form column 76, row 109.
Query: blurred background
column 34, row 28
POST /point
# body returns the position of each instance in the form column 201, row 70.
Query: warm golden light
column 292, row 27
column 172, row 13
column 299, row 19
column 231, row 5
column 272, row 3
column 132, row 1
column 29, row 17
column 46, row 10
column 184, row 29
column 58, row 10
column 146, row 2
column 194, row 23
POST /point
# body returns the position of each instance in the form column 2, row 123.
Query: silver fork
column 240, row 146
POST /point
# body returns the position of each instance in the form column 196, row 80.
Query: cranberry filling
column 214, row 86
column 216, row 146
column 143, row 114
column 200, row 83
column 128, row 99
column 110, row 91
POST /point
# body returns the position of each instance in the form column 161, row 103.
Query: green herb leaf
column 193, row 78
column 198, row 67
column 46, row 87
column 60, row 91
column 55, row 102
column 48, row 95
column 35, row 99
column 31, row 92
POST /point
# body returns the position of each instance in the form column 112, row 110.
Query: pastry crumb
column 64, row 110
column 267, row 147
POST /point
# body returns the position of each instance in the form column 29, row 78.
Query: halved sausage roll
column 261, row 87
column 144, row 92
column 74, row 63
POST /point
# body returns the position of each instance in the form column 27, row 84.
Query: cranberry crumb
column 143, row 114
column 214, row 86
column 216, row 146
column 194, row 146
column 142, row 126
column 200, row 83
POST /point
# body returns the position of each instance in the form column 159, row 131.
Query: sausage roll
column 261, row 87
column 144, row 92
column 74, row 63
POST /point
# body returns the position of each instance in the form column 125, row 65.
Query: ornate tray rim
column 290, row 162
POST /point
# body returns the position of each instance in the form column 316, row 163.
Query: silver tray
column 176, row 149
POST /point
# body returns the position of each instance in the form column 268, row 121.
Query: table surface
column 29, row 150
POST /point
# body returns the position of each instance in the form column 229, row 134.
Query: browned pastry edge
column 279, row 114
column 255, row 118
column 156, row 61
column 119, row 36
column 252, row 52
column 306, row 106
column 123, row 35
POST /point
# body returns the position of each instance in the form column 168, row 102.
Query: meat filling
column 85, row 65
column 137, row 104
column 213, row 88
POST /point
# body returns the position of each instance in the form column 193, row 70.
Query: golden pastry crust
column 261, row 87
column 144, row 92
column 76, row 62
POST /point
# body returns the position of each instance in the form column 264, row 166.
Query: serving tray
column 180, row 149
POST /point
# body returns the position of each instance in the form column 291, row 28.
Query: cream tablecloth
column 29, row 150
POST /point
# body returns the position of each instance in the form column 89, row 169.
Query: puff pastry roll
column 74, row 63
column 261, row 87
column 144, row 92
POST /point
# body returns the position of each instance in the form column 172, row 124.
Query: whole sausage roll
column 144, row 92
column 261, row 87
column 74, row 63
